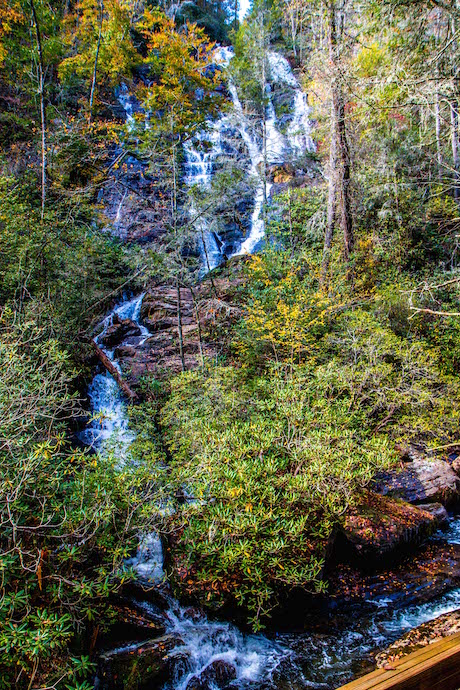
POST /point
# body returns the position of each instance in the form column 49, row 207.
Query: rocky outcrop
column 205, row 314
column 131, row 623
column 379, row 529
column 218, row 674
column 420, row 577
column 422, row 480
column 119, row 331
column 425, row 634
column 438, row 511
column 141, row 666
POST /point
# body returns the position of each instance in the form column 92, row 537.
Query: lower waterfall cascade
column 283, row 660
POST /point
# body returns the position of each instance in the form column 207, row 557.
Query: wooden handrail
column 434, row 667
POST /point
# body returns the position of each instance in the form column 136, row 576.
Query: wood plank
column 434, row 667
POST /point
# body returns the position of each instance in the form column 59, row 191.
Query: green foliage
column 62, row 513
column 269, row 465
column 62, row 269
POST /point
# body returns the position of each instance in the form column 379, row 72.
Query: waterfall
column 280, row 147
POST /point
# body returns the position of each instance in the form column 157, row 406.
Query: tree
column 98, row 38
column 181, row 98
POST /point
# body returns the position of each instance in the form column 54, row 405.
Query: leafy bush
column 268, row 467
column 67, row 519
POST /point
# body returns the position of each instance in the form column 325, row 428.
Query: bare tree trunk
column 96, row 58
column 339, row 124
column 108, row 364
column 437, row 115
column 179, row 325
column 455, row 148
column 331, row 202
column 41, row 93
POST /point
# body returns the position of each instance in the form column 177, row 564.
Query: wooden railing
column 435, row 667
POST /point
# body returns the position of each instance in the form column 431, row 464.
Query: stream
column 291, row 660
column 284, row 660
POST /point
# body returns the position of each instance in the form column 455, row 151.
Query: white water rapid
column 288, row 660
column 283, row 143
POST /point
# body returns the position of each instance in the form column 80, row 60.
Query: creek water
column 287, row 660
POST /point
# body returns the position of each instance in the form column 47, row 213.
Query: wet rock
column 118, row 331
column 419, row 637
column 379, row 529
column 125, row 352
column 455, row 464
column 438, row 511
column 140, row 666
column 419, row 578
column 133, row 624
column 217, row 675
column 421, row 481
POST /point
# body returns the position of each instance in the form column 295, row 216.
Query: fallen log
column 111, row 368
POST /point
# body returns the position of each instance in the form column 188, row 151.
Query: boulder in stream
column 379, row 529
column 119, row 331
column 421, row 481
column 141, row 666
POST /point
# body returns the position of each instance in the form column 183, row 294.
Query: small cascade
column 109, row 427
column 279, row 147
column 128, row 103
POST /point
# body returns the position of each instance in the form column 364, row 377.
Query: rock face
column 425, row 634
column 419, row 578
column 203, row 313
column 379, row 528
column 140, row 666
column 217, row 675
column 131, row 623
column 119, row 331
column 421, row 481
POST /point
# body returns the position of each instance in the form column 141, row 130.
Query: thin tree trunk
column 343, row 152
column 331, row 202
column 179, row 325
column 178, row 247
column 455, row 147
column 41, row 86
column 96, row 58
column 437, row 115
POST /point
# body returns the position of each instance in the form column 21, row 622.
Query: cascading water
column 277, row 148
column 289, row 661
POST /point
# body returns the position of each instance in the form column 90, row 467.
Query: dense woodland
column 334, row 348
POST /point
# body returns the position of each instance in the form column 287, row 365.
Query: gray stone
column 421, row 481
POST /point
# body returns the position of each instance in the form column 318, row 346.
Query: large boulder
column 133, row 623
column 141, row 666
column 378, row 529
column 218, row 674
column 119, row 330
column 421, row 481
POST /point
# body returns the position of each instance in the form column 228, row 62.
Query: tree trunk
column 339, row 126
column 437, row 115
column 113, row 371
column 179, row 326
column 96, row 58
column 331, row 201
column 455, row 148
column 41, row 87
